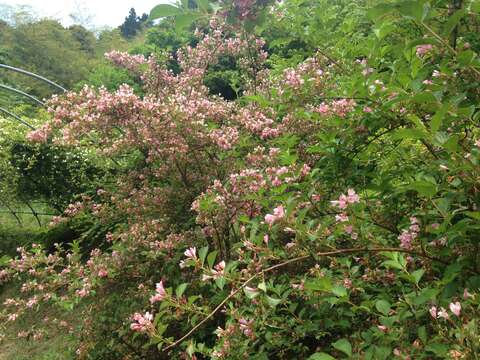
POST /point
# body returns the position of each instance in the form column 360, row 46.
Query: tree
column 132, row 24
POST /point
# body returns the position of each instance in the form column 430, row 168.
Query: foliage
column 132, row 24
column 328, row 210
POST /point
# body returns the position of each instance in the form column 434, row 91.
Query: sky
column 102, row 13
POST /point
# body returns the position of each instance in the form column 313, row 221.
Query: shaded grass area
column 57, row 344
column 21, row 229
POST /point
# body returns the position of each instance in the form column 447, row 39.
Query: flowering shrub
column 329, row 212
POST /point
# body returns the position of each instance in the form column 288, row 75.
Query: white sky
column 103, row 12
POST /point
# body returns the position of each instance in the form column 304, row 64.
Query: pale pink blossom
column 423, row 49
column 455, row 308
column 160, row 293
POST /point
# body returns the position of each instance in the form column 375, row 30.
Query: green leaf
column 453, row 21
column 424, row 188
column 383, row 306
column 202, row 254
column 272, row 301
column 385, row 29
column 4, row 260
column 471, row 214
column 425, row 97
column 422, row 334
column 344, row 346
column 180, row 289
column 320, row 356
column 437, row 119
column 164, row 10
column 250, row 293
column 417, row 275
column 211, row 258
column 416, row 10
column 465, row 58
column 392, row 264
column 378, row 11
column 319, row 284
column 220, row 282
column 339, row 291
column 204, row 5
column 415, row 134
column 183, row 21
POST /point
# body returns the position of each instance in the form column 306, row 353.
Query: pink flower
column 278, row 213
column 191, row 253
column 344, row 200
column 433, row 312
column 142, row 323
column 423, row 49
column 270, row 219
column 405, row 240
column 367, row 109
column 455, row 308
column 352, row 196
column 160, row 293
column 342, row 217
column 102, row 273
column 246, row 326
column 427, row 82
column 466, row 294
column 382, row 328
column 442, row 313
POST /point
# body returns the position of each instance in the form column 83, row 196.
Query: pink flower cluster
column 278, row 214
column 123, row 59
column 345, row 200
column 422, row 50
column 407, row 236
column 341, row 108
column 225, row 137
column 142, row 323
column 293, row 78
column 160, row 293
column 217, row 272
column 455, row 308
column 40, row 135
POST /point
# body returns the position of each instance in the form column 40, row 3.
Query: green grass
column 56, row 345
column 21, row 232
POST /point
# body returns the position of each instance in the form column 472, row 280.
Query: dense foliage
column 324, row 205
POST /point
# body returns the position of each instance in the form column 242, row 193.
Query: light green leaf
column 180, row 289
column 211, row 258
column 453, row 21
column 424, row 188
column 339, row 291
column 319, row 284
column 465, row 58
column 344, row 346
column 250, row 293
column 321, row 356
column 383, row 306
column 202, row 254
column 183, row 21
column 204, row 5
column 272, row 301
column 164, row 10
column 417, row 275
column 416, row 10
